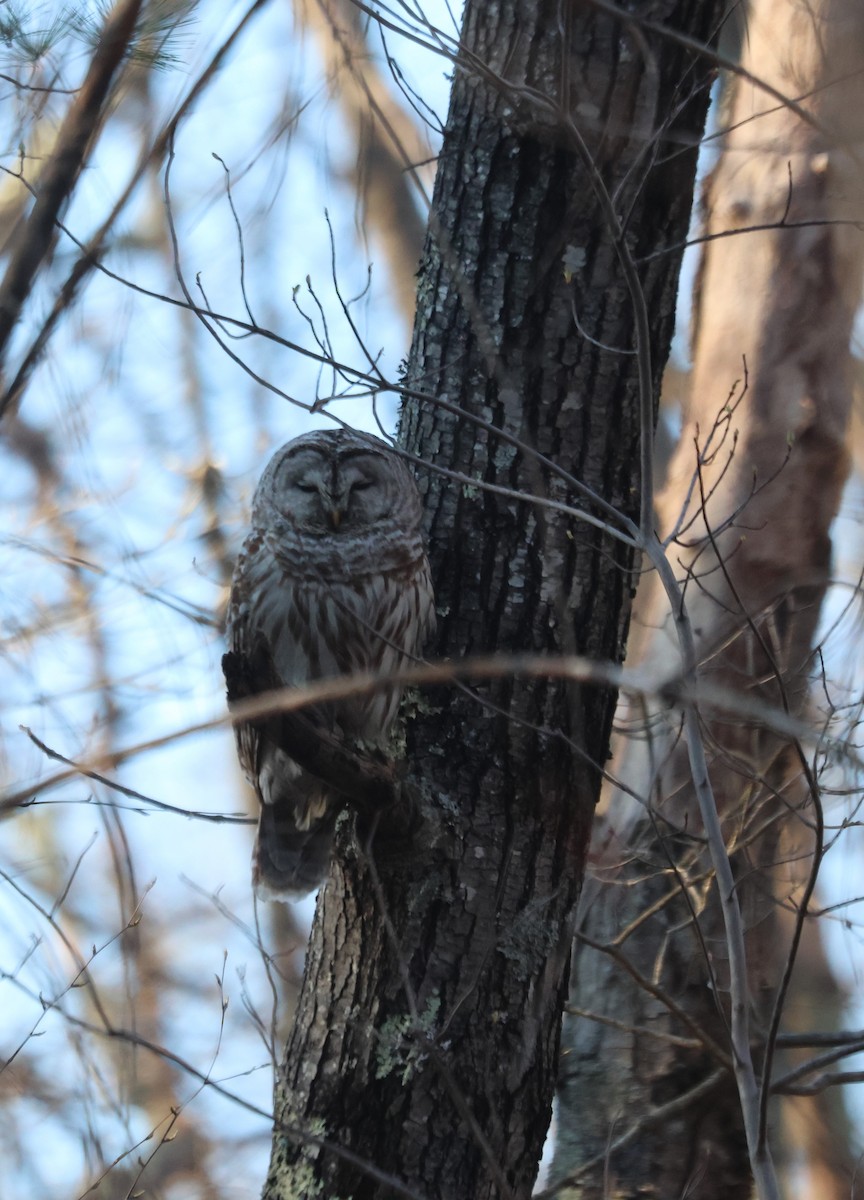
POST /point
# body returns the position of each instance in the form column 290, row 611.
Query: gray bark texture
column 425, row 1048
column 749, row 501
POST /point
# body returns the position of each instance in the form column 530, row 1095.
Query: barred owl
column 332, row 579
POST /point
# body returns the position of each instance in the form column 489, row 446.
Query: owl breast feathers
column 332, row 579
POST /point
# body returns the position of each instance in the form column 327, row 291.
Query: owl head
column 336, row 482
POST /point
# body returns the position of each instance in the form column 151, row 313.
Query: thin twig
column 63, row 167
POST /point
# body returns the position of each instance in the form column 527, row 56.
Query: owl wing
column 297, row 817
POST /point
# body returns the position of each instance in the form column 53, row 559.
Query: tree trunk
column 425, row 1049
column 771, row 390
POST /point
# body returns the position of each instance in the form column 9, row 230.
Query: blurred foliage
column 141, row 989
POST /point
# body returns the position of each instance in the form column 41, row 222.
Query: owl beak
column 335, row 517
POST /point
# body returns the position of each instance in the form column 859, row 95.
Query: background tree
column 746, row 510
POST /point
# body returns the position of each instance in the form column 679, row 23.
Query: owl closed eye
column 322, row 495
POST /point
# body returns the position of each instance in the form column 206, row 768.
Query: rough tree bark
column 426, row 1040
column 771, row 390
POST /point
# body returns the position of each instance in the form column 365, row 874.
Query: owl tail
column 290, row 859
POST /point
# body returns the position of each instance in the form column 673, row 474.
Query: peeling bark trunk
column 770, row 399
column 425, row 1049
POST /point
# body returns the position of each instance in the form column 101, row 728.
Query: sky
column 111, row 577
